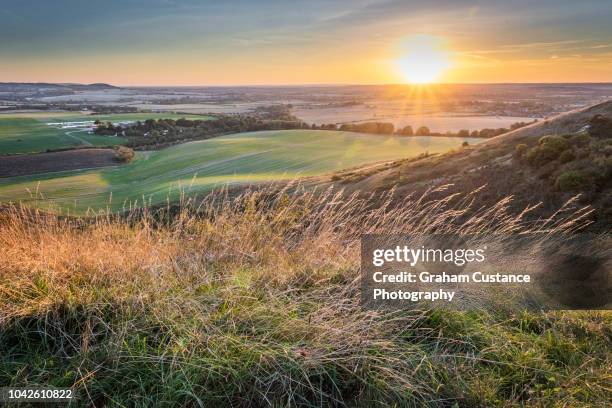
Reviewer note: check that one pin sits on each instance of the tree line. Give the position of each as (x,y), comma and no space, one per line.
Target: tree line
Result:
(386,128)
(153,134)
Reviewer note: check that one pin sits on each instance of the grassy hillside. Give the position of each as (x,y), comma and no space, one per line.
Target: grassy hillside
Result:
(254,300)
(31,132)
(543,164)
(202,165)
(256,303)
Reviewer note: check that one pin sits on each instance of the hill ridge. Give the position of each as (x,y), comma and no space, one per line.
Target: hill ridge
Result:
(495,168)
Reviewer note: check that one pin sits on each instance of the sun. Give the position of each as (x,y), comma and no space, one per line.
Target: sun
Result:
(424,59)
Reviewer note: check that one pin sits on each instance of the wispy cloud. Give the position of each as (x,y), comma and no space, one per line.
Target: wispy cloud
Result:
(544,44)
(331,37)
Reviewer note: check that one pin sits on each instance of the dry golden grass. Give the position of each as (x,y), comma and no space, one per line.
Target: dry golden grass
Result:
(254,301)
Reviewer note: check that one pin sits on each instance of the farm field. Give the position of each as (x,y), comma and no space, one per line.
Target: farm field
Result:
(63,160)
(200,166)
(400,116)
(35,132)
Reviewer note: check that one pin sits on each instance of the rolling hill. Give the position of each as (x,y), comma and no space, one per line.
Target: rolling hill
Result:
(34,132)
(265,295)
(238,159)
(35,87)
(545,163)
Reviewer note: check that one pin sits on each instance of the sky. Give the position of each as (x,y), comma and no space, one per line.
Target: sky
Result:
(189,42)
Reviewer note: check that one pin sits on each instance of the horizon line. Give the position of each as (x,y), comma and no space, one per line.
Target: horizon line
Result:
(307,84)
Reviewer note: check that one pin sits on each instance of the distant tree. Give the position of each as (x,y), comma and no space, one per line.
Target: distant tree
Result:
(123,154)
(381,128)
(463,133)
(423,131)
(405,131)
(385,128)
(500,131)
(518,125)
(182,122)
(149,123)
(486,133)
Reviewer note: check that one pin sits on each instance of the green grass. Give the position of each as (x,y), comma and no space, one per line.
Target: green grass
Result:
(203,165)
(255,303)
(30,132)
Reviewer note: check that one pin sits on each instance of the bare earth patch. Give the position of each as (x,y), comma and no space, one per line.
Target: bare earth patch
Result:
(22,165)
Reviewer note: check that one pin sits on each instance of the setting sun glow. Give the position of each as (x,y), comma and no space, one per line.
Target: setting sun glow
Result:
(424,60)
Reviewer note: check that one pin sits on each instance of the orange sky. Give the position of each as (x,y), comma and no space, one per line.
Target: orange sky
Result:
(185,42)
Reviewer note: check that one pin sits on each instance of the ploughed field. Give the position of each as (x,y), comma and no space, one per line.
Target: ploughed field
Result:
(197,167)
(34,132)
(24,164)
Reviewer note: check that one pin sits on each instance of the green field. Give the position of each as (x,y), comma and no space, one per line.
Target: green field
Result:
(39,131)
(203,165)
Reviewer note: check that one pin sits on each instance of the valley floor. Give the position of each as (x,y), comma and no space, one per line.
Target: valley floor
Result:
(198,167)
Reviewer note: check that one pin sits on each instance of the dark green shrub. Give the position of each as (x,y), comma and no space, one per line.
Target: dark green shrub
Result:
(605,167)
(567,156)
(520,149)
(606,204)
(540,155)
(573,180)
(531,156)
(580,139)
(558,143)
(582,153)
(600,127)
(548,149)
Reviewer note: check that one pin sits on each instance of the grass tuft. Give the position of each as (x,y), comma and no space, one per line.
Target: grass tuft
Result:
(254,301)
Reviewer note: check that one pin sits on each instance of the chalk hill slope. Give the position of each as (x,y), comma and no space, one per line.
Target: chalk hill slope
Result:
(547,162)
